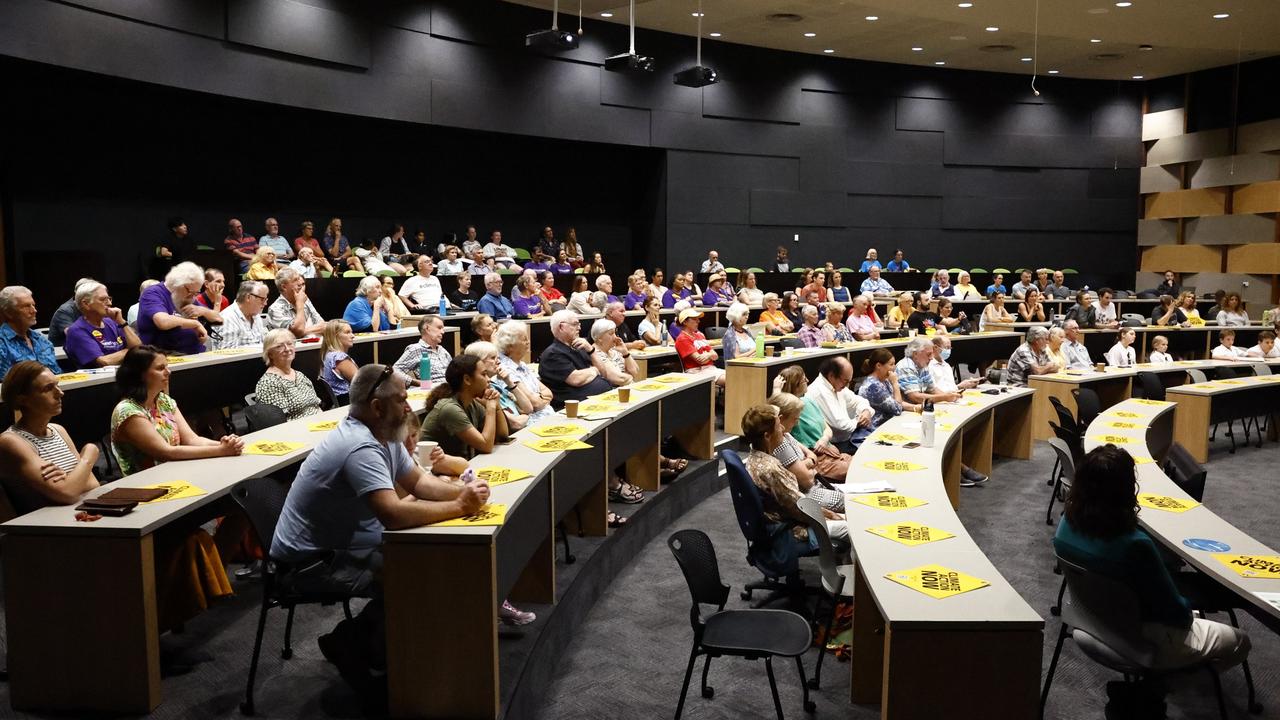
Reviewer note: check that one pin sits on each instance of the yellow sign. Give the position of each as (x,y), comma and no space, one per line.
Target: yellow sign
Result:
(267,447)
(1195,321)
(945,427)
(672,379)
(891,502)
(611,397)
(556,444)
(1158,403)
(910,533)
(1112,439)
(233,351)
(176,360)
(937,581)
(1263,567)
(649,387)
(1126,414)
(496,476)
(1166,503)
(417,394)
(894,465)
(1123,425)
(892,437)
(72,377)
(1231,382)
(323,426)
(490,514)
(596,406)
(751,359)
(559,430)
(175,490)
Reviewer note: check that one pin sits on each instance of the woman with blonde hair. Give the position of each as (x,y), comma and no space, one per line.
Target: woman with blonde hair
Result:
(338,369)
(396,309)
(281,385)
(263,266)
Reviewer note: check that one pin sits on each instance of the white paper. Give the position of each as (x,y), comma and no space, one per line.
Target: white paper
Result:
(866,488)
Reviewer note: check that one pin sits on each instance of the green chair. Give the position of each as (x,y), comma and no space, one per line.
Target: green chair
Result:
(955,271)
(205,247)
(732,270)
(1069,271)
(325,274)
(388,273)
(1022,270)
(844,269)
(931,271)
(352,273)
(799,270)
(1002,271)
(522,254)
(755,269)
(505,271)
(579,271)
(975,271)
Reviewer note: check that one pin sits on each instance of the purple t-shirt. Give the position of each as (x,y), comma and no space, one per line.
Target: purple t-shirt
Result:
(157,299)
(527,306)
(634,301)
(86,343)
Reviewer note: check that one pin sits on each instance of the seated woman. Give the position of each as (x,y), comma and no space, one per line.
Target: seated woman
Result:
(958,323)
(738,340)
(656,288)
(994,312)
(652,330)
(779,489)
(281,385)
(1121,354)
(451,263)
(899,314)
(1057,336)
(1031,309)
(637,291)
(337,368)
(264,265)
(679,292)
(810,333)
(501,382)
(483,327)
(833,327)
(463,412)
(800,460)
(838,292)
(775,321)
(395,307)
(811,428)
(367,311)
(716,293)
(1227,348)
(582,299)
(881,389)
(373,261)
(696,354)
(1159,350)
(616,364)
(965,289)
(1187,304)
(791,307)
(42,466)
(554,299)
(512,341)
(1232,311)
(462,298)
(1099,532)
(748,293)
(1084,312)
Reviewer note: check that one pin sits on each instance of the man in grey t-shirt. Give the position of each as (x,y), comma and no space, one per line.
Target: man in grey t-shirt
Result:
(329,534)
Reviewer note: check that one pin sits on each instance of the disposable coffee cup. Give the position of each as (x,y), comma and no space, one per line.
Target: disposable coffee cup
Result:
(911,332)
(424,451)
(624,394)
(768,351)
(1100,367)
(571,408)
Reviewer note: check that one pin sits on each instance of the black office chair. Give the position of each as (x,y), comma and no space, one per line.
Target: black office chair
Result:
(1064,478)
(1088,406)
(325,393)
(715,332)
(750,634)
(107,468)
(1220,413)
(1152,388)
(790,343)
(1067,421)
(262,500)
(260,416)
(773,551)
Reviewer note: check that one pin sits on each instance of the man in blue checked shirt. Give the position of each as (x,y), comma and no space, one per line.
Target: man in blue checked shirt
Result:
(876,284)
(18,339)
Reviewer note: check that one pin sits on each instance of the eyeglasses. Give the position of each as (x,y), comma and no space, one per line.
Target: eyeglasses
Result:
(386,373)
(263,298)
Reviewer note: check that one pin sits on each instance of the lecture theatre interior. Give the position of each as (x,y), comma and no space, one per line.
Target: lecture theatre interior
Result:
(634,359)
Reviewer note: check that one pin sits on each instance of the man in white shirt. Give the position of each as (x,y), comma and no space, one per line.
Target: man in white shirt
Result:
(501,254)
(712,263)
(944,378)
(1073,349)
(875,284)
(848,413)
(293,309)
(241,324)
(421,293)
(1105,314)
(308,265)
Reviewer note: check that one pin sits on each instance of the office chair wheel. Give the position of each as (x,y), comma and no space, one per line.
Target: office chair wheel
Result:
(708,692)
(570,559)
(810,706)
(246,708)
(286,654)
(1055,611)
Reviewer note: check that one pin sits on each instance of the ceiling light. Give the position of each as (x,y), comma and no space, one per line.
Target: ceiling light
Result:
(965,5)
(939,62)
(1137,77)
(873,18)
(1026,59)
(828,51)
(715,34)
(992,28)
(606,14)
(698,14)
(1094,40)
(811,34)
(917,49)
(1144,48)
(1123,4)
(1053,72)
(1221,16)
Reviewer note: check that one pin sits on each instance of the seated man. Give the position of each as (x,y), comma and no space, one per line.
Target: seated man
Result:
(99,337)
(875,284)
(431,329)
(240,245)
(293,309)
(272,238)
(1024,284)
(568,367)
(1059,288)
(359,480)
(922,362)
(849,415)
(66,314)
(494,303)
(421,293)
(712,264)
(308,264)
(1030,358)
(19,340)
(502,255)
(1073,350)
(941,372)
(241,325)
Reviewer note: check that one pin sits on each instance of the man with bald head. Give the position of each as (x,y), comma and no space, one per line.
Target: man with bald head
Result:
(848,414)
(239,244)
(568,367)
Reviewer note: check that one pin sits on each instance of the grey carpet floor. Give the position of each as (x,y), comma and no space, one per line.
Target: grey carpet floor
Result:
(628,659)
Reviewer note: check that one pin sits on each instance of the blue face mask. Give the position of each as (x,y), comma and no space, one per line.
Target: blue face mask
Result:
(946,354)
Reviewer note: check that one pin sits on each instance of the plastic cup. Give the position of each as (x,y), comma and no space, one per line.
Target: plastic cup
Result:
(571,408)
(424,451)
(1100,367)
(768,351)
(624,394)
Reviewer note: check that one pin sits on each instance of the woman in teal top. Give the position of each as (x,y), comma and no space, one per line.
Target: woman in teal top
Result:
(811,429)
(1099,531)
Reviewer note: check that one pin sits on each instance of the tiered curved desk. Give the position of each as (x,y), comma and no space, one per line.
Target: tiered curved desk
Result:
(1149,439)
(1203,404)
(982,648)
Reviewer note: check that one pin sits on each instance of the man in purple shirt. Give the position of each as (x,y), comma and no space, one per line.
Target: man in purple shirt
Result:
(100,336)
(528,303)
(166,314)
(539,262)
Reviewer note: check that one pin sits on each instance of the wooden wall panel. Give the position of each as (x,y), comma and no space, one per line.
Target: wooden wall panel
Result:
(1164,124)
(1254,258)
(1182,258)
(1257,198)
(1186,203)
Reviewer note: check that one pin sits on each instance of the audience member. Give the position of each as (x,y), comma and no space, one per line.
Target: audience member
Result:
(167,318)
(567,366)
(452,263)
(479,265)
(1073,350)
(833,328)
(860,326)
(1043,283)
(242,322)
(779,490)
(1169,285)
(421,293)
(716,293)
(637,291)
(898,264)
(712,264)
(337,368)
(513,401)
(66,314)
(308,239)
(994,312)
(817,286)
(1057,337)
(99,337)
(781,261)
(373,261)
(942,286)
(1167,313)
(899,315)
(1083,312)
(876,284)
(1187,304)
(547,244)
(947,322)
(293,309)
(499,252)
(539,261)
(1232,313)
(483,327)
(678,293)
(775,321)
(494,303)
(562,266)
(810,428)
(748,293)
(924,320)
(997,285)
(656,288)
(604,291)
(512,341)
(1227,348)
(799,460)
(848,414)
(1106,310)
(871,261)
(176,247)
(652,330)
(470,243)
(394,244)
(1030,358)
(428,347)
(240,245)
(810,333)
(1159,350)
(880,387)
(1121,354)
(738,339)
(281,385)
(367,311)
(212,296)
(1060,290)
(1024,284)
(941,372)
(529,302)
(914,377)
(463,297)
(572,250)
(964,289)
(696,354)
(1031,309)
(391,302)
(616,313)
(791,306)
(264,264)
(552,298)
(612,356)
(308,265)
(272,238)
(132,314)
(596,266)
(1266,347)
(337,249)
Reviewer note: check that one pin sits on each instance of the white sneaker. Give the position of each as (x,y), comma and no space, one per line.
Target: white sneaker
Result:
(512,615)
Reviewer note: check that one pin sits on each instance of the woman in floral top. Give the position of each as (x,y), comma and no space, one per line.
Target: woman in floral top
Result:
(881,387)
(281,385)
(147,428)
(834,328)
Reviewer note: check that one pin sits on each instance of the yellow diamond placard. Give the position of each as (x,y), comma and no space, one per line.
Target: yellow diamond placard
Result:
(418,394)
(1142,460)
(1113,439)
(322,426)
(176,360)
(895,466)
(1166,503)
(892,437)
(175,490)
(672,379)
(233,351)
(496,476)
(556,444)
(1123,425)
(490,514)
(937,581)
(72,377)
(609,397)
(1127,414)
(270,447)
(1157,403)
(649,387)
(910,533)
(559,430)
(597,406)
(892,502)
(1231,382)
(1264,567)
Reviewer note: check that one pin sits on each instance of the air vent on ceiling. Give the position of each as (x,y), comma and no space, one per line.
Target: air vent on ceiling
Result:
(784,17)
(1107,57)
(997,48)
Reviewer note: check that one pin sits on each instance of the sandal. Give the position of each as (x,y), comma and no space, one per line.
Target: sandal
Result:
(676,464)
(614,519)
(626,493)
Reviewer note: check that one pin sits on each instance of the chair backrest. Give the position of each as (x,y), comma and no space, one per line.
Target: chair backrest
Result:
(1070,439)
(1197,376)
(1185,472)
(1088,405)
(791,343)
(262,499)
(108,466)
(997,376)
(1065,418)
(1066,457)
(747,505)
(251,399)
(828,563)
(714,332)
(325,393)
(352,273)
(697,559)
(262,416)
(1152,388)
(1133,320)
(1106,609)
(1261,368)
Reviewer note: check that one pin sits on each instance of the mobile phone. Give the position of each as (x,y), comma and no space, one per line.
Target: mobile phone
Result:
(911,445)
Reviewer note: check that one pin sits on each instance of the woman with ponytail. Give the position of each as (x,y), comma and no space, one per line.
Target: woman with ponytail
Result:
(463,413)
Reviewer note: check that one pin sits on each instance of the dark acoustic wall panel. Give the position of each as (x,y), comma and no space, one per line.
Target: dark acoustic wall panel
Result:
(1047,213)
(1013,182)
(898,146)
(891,211)
(1117,184)
(709,205)
(198,17)
(747,100)
(868,178)
(1041,151)
(736,171)
(298,28)
(1007,118)
(790,209)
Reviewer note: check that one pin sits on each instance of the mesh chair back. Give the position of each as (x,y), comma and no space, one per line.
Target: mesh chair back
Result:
(262,500)
(1197,376)
(1070,439)
(263,415)
(325,393)
(1088,405)
(1065,418)
(108,466)
(791,343)
(1133,320)
(1183,469)
(1261,368)
(1152,388)
(827,561)
(1066,458)
(746,499)
(697,559)
(997,376)
(715,332)
(1108,611)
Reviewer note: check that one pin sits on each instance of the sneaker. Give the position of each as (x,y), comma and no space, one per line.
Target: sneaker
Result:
(512,615)
(970,477)
(250,570)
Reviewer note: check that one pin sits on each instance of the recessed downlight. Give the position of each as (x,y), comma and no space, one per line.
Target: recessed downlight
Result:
(828,51)
(872,18)
(965,5)
(698,14)
(992,28)
(939,62)
(1221,16)
(1137,77)
(917,49)
(606,14)
(1026,59)
(811,34)
(1053,72)
(1095,40)
(715,35)
(1123,4)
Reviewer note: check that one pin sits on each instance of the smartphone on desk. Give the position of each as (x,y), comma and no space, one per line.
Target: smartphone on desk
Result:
(911,446)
